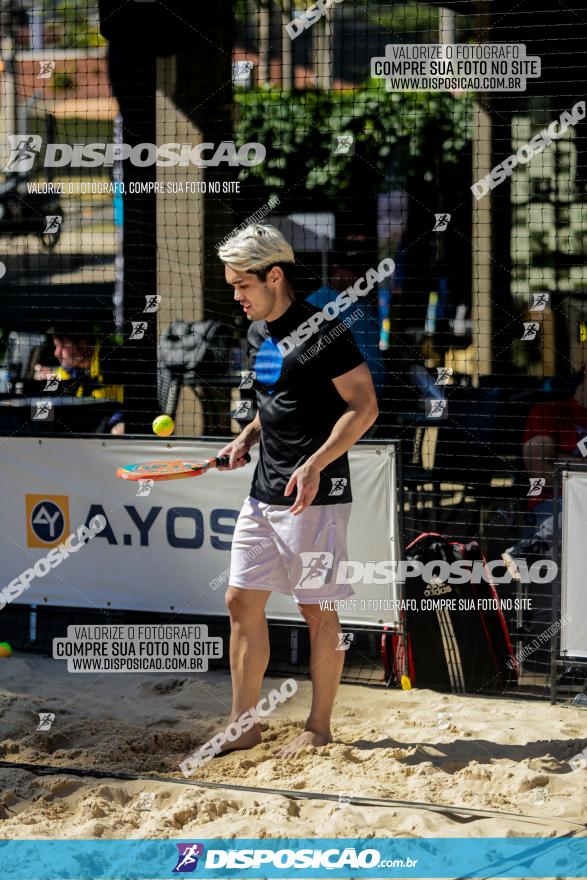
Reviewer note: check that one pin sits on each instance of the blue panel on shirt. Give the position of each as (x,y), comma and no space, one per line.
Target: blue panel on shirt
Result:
(268,363)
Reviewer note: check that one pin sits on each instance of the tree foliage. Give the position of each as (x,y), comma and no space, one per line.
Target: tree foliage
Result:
(396,136)
(76,24)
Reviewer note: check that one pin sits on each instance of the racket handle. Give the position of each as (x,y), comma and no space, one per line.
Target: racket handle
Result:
(223,461)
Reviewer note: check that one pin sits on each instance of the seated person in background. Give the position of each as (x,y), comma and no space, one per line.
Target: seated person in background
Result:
(80,373)
(555,430)
(347,268)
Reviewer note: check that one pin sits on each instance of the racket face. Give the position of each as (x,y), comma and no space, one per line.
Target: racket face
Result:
(162,470)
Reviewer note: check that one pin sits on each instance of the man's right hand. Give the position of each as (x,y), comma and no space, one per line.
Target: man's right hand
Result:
(238,448)
(236,451)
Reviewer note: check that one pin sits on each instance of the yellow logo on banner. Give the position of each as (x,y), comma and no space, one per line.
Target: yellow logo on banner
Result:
(47,520)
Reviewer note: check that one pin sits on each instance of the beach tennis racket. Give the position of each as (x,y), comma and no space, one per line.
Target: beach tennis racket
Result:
(171,470)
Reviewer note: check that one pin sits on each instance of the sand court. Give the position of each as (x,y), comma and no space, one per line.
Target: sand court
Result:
(517,757)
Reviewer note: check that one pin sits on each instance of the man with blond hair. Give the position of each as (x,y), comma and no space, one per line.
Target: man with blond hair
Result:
(315,399)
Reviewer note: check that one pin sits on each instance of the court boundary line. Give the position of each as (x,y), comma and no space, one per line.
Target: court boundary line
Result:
(53,770)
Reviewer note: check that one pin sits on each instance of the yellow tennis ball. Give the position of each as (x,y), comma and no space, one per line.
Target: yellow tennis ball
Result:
(5,649)
(163,426)
(406,683)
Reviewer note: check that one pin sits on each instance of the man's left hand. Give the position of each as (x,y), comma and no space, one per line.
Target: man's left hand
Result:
(306,480)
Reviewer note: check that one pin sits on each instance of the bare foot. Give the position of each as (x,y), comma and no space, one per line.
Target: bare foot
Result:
(305,740)
(247,740)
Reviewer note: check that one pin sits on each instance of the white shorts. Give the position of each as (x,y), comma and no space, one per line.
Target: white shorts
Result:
(295,555)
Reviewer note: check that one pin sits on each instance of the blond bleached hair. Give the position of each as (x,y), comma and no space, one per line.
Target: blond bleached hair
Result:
(255,248)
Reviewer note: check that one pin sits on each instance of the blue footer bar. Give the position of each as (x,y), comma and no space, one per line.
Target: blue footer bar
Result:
(287,858)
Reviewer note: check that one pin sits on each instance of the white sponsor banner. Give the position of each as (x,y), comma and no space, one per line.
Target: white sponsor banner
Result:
(574,564)
(165,546)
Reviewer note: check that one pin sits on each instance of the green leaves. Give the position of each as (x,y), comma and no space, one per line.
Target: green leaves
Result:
(416,130)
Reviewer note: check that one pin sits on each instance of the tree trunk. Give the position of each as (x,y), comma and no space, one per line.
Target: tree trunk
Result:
(287,67)
(324,30)
(264,18)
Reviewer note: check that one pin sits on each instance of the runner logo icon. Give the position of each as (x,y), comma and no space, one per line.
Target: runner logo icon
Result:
(188,855)
(317,570)
(338,485)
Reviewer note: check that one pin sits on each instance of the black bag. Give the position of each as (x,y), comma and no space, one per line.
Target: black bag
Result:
(191,353)
(196,350)
(463,651)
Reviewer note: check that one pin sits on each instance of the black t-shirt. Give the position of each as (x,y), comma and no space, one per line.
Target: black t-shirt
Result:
(298,403)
